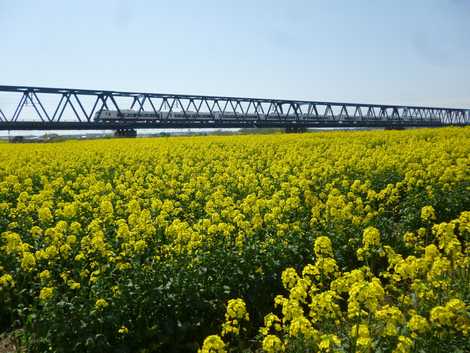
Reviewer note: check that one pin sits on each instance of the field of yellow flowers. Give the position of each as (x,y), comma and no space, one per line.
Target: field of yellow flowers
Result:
(317,242)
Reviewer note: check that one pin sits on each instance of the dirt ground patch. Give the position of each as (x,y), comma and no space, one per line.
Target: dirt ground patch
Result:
(7,344)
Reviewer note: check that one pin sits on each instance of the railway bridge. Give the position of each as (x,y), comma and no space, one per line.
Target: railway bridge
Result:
(45,108)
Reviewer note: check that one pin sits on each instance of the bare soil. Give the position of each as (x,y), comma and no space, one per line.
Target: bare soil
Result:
(7,344)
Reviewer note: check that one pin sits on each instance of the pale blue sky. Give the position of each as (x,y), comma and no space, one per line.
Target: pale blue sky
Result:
(401,52)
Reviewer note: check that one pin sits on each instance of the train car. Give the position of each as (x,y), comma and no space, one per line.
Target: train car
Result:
(146,116)
(127,114)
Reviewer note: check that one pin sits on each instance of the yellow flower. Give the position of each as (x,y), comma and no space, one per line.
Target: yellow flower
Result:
(71,240)
(106,208)
(45,275)
(101,304)
(272,344)
(364,297)
(453,315)
(327,266)
(6,280)
(329,343)
(123,330)
(324,306)
(79,257)
(13,242)
(28,262)
(428,213)
(431,252)
(370,237)
(302,327)
(45,215)
(271,321)
(418,324)
(69,211)
(51,251)
(73,285)
(392,318)
(140,246)
(322,247)
(65,250)
(361,333)
(289,278)
(46,293)
(404,345)
(410,239)
(236,311)
(213,344)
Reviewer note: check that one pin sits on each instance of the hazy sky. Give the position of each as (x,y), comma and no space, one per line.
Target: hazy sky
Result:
(371,51)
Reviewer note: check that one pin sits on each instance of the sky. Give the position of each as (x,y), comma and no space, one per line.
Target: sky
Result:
(414,52)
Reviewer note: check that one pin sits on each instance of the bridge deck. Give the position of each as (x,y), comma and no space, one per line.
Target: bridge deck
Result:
(194,124)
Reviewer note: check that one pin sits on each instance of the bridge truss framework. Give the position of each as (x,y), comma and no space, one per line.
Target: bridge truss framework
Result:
(76,109)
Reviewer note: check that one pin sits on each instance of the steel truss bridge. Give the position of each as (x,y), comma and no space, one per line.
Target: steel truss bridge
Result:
(41,108)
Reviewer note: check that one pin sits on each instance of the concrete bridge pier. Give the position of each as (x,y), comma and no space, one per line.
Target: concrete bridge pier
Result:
(295,130)
(125,133)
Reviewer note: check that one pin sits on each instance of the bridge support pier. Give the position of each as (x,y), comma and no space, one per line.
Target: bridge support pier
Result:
(394,128)
(125,133)
(295,130)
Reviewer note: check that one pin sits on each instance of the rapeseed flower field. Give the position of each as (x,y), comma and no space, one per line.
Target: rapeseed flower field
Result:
(316,242)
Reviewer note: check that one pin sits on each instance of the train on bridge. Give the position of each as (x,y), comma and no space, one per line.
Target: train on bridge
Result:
(129,115)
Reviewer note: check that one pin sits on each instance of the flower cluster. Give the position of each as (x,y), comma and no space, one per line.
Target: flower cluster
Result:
(235,314)
(143,242)
(362,311)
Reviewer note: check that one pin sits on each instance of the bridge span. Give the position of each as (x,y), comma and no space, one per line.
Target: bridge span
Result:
(43,108)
